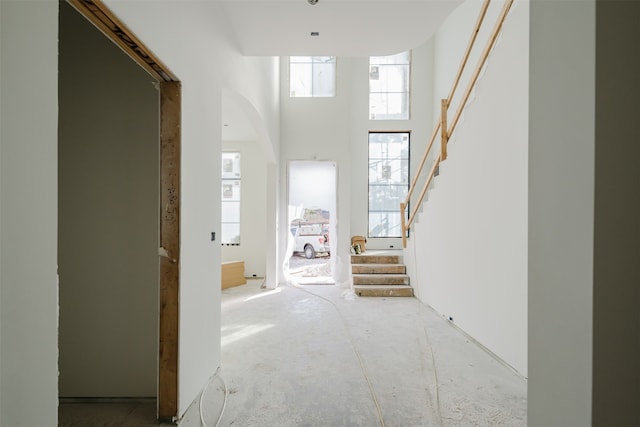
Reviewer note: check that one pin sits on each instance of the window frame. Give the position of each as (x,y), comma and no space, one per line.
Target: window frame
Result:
(406,185)
(237,178)
(387,116)
(312,61)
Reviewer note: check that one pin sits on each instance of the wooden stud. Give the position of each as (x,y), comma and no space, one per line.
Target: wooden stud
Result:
(170,147)
(467,53)
(441,125)
(444,137)
(414,182)
(483,58)
(170,117)
(100,15)
(403,208)
(416,207)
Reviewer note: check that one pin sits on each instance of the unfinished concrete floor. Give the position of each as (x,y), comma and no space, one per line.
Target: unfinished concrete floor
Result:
(311,357)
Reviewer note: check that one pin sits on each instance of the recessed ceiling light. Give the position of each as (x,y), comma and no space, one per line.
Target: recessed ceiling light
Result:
(315,33)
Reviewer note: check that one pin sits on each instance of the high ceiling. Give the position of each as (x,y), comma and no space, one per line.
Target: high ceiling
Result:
(345,27)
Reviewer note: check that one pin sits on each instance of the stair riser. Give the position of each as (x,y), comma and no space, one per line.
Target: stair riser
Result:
(378,269)
(384,292)
(382,280)
(375,259)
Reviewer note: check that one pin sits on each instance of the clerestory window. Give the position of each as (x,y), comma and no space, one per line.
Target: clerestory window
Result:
(312,76)
(389,87)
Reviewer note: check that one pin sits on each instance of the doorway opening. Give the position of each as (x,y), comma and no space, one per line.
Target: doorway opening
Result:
(119,163)
(311,223)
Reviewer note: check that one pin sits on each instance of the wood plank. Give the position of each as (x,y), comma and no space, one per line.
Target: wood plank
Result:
(467,53)
(416,208)
(233,274)
(170,147)
(170,118)
(483,58)
(444,138)
(403,223)
(107,22)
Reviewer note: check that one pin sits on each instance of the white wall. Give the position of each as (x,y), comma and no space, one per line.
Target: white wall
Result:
(561,200)
(337,129)
(319,129)
(468,252)
(199,50)
(108,204)
(420,124)
(28,213)
(253,205)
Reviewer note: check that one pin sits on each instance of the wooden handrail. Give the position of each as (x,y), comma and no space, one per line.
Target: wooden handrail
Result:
(432,173)
(463,63)
(467,53)
(441,126)
(483,59)
(414,183)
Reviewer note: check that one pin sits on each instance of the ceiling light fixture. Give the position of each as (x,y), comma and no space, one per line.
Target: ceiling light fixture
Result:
(312,2)
(315,33)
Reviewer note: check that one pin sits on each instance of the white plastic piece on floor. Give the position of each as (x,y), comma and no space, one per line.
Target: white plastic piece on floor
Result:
(349,295)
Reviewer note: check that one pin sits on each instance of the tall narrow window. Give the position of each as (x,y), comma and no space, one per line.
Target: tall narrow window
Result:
(389,86)
(388,181)
(312,76)
(230,233)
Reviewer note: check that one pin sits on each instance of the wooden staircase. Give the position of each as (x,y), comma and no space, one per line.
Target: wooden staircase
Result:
(379,275)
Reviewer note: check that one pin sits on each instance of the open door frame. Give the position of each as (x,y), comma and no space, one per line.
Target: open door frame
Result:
(170,147)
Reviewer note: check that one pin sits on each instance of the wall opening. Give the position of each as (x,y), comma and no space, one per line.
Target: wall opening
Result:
(311,223)
(119,157)
(108,219)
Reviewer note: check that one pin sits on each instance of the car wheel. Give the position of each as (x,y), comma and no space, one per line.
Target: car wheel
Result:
(309,252)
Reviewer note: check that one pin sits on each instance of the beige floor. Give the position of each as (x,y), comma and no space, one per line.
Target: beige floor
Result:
(316,356)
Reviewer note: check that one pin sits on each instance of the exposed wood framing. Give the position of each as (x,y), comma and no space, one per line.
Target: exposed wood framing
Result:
(170,147)
(467,53)
(423,193)
(100,15)
(403,222)
(483,58)
(441,125)
(414,182)
(444,137)
(170,247)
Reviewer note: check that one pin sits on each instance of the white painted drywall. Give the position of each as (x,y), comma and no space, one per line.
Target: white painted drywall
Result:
(108,204)
(420,125)
(28,212)
(561,199)
(337,129)
(253,205)
(468,254)
(193,40)
(319,129)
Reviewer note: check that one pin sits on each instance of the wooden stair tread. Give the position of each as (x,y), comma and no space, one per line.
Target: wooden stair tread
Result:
(375,259)
(378,268)
(383,291)
(380,279)
(380,275)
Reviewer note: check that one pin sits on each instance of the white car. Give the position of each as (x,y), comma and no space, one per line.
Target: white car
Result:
(310,239)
